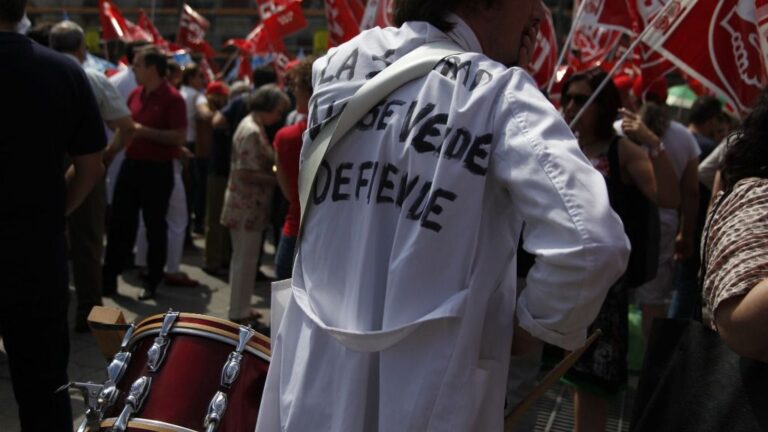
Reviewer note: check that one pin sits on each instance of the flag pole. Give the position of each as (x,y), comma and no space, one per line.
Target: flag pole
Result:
(152,19)
(621,61)
(567,44)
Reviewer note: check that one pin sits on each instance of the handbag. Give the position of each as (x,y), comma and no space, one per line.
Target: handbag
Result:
(692,381)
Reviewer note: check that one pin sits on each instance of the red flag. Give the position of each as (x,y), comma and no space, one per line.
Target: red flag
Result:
(150,28)
(592,46)
(135,32)
(728,56)
(258,41)
(652,65)
(284,19)
(377,13)
(342,24)
(544,57)
(610,14)
(112,21)
(191,33)
(358,8)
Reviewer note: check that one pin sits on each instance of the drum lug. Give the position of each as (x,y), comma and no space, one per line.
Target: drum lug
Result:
(134,400)
(93,413)
(157,351)
(231,368)
(120,361)
(216,410)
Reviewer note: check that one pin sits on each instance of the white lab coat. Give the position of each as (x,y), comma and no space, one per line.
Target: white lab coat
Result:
(404,291)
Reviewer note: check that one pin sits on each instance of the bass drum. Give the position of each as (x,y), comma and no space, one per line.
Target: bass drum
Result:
(178,392)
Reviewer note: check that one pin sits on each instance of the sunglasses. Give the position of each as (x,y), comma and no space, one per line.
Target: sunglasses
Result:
(577,99)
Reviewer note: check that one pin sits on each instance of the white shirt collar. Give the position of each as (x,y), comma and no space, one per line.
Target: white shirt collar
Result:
(463,35)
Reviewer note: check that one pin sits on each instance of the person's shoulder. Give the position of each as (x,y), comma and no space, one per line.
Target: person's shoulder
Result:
(290,132)
(750,188)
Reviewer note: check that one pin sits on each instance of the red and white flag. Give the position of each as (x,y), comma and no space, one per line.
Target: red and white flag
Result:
(145,24)
(378,13)
(544,57)
(191,32)
(653,66)
(609,14)
(285,19)
(113,24)
(593,46)
(728,57)
(343,25)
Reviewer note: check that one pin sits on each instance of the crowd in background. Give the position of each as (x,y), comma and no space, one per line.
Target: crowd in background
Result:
(187,156)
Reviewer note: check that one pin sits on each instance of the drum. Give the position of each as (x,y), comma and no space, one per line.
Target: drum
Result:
(187,372)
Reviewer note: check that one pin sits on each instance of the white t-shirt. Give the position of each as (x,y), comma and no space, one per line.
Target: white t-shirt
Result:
(404,291)
(192,98)
(111,105)
(124,81)
(681,148)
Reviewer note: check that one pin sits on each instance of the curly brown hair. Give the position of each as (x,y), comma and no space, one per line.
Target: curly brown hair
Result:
(301,74)
(746,154)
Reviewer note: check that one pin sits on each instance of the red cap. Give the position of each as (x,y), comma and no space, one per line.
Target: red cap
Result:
(217,87)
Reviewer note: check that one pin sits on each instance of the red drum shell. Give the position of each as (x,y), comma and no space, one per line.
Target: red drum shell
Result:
(190,375)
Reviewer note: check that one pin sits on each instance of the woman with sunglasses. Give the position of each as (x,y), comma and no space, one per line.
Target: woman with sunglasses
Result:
(630,171)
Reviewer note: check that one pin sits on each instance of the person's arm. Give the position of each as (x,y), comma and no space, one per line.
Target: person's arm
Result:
(578,241)
(85,171)
(667,192)
(205,113)
(282,179)
(172,137)
(639,168)
(743,320)
(124,130)
(689,209)
(219,121)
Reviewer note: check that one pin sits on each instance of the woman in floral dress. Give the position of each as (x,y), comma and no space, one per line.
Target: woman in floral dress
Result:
(249,194)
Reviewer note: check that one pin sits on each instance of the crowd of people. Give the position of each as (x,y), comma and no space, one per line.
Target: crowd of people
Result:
(416,270)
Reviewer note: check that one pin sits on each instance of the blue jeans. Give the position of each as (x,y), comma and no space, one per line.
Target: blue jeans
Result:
(284,257)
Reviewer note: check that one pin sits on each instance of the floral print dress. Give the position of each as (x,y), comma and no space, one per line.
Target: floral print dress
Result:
(247,205)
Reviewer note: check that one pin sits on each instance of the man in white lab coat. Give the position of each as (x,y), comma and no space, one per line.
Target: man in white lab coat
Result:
(404,304)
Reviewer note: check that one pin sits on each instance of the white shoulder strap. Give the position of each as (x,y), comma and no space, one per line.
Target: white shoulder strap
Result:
(411,66)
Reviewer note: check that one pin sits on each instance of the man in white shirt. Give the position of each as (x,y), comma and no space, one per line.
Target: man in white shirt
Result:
(86,224)
(404,301)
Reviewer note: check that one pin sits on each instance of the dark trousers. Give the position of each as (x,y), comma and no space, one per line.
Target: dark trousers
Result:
(145,186)
(284,257)
(218,245)
(85,227)
(33,325)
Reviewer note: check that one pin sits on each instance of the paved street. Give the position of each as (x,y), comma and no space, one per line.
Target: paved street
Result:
(86,363)
(552,413)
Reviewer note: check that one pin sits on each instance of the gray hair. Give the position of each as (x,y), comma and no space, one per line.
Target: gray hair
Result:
(266,98)
(66,37)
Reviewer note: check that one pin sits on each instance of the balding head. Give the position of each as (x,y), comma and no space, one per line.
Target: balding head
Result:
(68,37)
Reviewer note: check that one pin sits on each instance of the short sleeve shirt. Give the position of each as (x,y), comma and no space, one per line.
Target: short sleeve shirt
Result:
(192,98)
(735,250)
(53,113)
(112,106)
(287,145)
(162,109)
